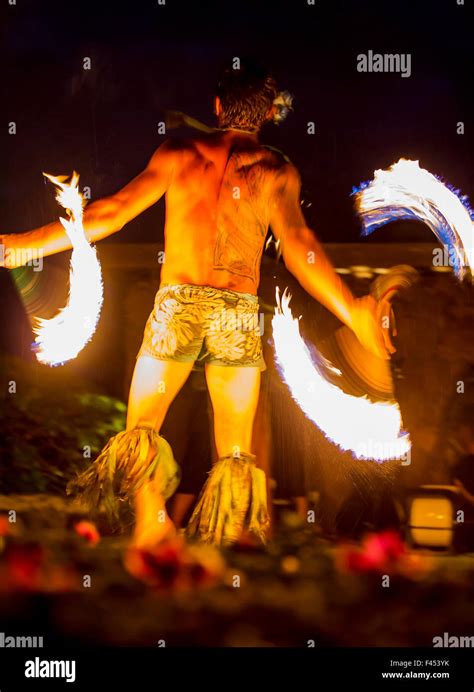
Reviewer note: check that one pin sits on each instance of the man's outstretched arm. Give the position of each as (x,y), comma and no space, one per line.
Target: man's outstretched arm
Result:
(305,258)
(104,216)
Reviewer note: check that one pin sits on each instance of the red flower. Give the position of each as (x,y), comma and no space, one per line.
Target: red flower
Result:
(87,530)
(175,565)
(5,526)
(377,553)
(28,567)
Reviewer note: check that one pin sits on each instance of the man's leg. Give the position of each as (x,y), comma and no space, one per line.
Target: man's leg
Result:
(234,394)
(155,384)
(262,442)
(234,497)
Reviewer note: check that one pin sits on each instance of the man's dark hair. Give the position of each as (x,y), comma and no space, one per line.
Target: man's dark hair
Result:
(246,91)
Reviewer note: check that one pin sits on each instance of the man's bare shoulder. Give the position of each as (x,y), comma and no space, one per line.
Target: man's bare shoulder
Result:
(177,144)
(186,149)
(286,179)
(174,153)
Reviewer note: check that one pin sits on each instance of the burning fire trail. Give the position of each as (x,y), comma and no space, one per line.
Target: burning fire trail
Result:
(373,430)
(369,430)
(61,338)
(406,191)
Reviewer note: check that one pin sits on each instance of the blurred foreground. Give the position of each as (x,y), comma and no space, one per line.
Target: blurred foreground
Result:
(60,579)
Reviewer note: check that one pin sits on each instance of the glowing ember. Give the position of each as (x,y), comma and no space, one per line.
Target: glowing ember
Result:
(406,191)
(369,430)
(61,338)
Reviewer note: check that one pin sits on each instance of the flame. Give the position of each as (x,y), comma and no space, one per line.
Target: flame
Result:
(406,191)
(273,241)
(369,430)
(373,430)
(61,338)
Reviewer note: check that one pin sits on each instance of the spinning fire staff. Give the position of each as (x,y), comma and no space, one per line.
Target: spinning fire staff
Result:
(223,191)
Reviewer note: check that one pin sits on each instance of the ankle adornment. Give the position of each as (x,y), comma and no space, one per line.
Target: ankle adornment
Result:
(123,467)
(233,499)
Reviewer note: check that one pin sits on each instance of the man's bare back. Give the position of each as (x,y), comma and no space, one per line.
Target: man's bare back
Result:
(217,210)
(222,191)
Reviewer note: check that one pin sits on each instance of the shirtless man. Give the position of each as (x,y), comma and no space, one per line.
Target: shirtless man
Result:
(223,191)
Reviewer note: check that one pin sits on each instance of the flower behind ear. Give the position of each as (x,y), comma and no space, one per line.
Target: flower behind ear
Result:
(283,105)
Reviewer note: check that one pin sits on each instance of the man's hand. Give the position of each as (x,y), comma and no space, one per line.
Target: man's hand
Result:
(371,324)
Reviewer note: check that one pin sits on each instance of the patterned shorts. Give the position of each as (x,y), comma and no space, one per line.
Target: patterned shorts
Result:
(214,325)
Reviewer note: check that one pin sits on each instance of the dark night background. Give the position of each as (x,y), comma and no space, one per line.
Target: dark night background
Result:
(148,57)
